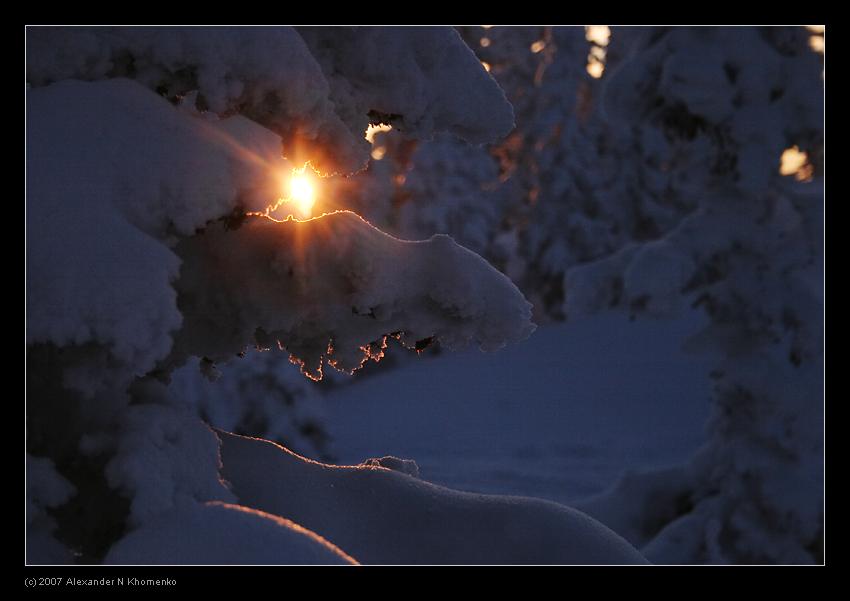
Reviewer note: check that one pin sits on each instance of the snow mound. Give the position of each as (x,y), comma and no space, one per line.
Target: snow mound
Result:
(384,517)
(220,533)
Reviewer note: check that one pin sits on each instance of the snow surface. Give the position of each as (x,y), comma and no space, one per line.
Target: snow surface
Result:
(220,533)
(560,416)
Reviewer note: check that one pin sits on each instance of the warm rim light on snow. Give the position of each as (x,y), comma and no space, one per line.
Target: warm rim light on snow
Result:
(795,162)
(817,38)
(373,129)
(595,69)
(598,36)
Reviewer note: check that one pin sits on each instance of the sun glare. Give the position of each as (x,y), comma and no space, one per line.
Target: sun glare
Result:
(302,192)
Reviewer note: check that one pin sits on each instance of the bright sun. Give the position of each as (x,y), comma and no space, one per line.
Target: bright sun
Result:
(302,192)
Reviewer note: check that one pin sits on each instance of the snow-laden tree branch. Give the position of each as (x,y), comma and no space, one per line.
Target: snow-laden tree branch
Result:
(318,95)
(144,248)
(333,288)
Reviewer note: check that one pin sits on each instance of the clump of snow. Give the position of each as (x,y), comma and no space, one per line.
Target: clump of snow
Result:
(450,188)
(317,94)
(114,174)
(217,533)
(166,459)
(331,289)
(405,466)
(259,394)
(656,277)
(46,488)
(421,79)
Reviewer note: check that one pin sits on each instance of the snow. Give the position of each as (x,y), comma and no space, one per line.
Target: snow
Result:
(652,188)
(260,394)
(317,94)
(560,416)
(166,459)
(220,533)
(46,488)
(113,174)
(425,76)
(405,466)
(135,247)
(332,289)
(732,99)
(140,172)
(382,516)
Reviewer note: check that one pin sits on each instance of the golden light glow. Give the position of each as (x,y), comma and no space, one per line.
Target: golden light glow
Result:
(298,194)
(816,39)
(485,42)
(796,162)
(598,34)
(792,160)
(595,69)
(374,129)
(378,152)
(303,193)
(538,46)
(486,66)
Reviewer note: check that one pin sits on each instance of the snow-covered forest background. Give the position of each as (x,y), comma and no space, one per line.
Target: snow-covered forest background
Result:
(551,294)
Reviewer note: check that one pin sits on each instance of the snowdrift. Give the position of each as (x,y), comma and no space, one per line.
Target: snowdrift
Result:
(382,516)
